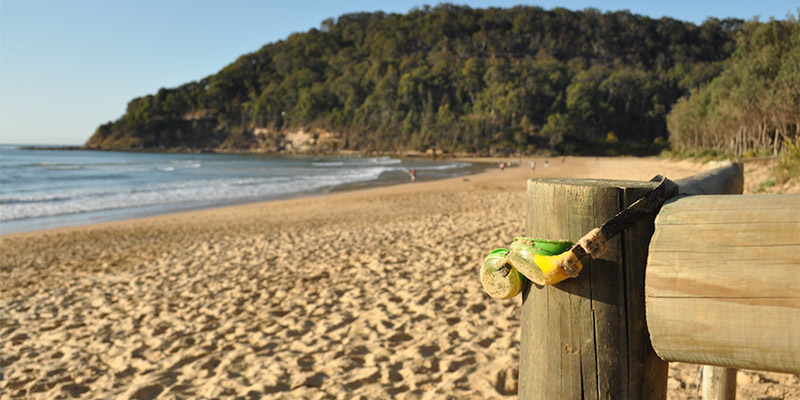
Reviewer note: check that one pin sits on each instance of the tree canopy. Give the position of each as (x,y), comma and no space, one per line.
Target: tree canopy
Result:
(753,106)
(449,77)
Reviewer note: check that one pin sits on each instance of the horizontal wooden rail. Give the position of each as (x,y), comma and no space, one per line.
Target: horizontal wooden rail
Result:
(722,283)
(723,178)
(727,178)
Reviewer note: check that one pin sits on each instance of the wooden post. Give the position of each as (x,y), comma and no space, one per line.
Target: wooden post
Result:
(586,337)
(719,383)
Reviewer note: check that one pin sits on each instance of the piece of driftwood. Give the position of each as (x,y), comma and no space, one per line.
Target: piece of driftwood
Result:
(585,337)
(723,282)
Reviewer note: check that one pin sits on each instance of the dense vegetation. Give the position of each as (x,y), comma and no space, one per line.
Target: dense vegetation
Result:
(753,106)
(449,78)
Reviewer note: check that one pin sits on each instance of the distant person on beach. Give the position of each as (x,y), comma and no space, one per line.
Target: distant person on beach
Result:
(532,164)
(546,163)
(413,174)
(502,165)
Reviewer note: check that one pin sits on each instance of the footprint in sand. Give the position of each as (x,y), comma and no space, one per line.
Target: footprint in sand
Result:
(427,351)
(75,390)
(363,376)
(506,382)
(477,308)
(306,362)
(148,392)
(400,337)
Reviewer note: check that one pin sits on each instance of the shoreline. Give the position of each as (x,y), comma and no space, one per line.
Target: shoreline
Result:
(44,223)
(260,151)
(370,293)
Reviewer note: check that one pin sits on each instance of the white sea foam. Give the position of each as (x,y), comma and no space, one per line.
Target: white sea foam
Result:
(65,188)
(443,167)
(189,192)
(384,160)
(186,163)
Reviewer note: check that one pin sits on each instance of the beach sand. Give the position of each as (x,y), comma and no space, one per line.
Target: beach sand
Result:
(367,294)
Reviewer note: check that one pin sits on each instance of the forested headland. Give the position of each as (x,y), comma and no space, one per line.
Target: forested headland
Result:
(456,79)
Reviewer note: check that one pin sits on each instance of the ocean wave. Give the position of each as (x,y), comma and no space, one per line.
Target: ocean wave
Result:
(65,167)
(50,185)
(358,162)
(444,167)
(384,160)
(33,199)
(46,165)
(205,191)
(113,176)
(327,163)
(187,163)
(50,166)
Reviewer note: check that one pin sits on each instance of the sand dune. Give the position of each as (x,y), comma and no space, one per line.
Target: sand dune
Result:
(368,294)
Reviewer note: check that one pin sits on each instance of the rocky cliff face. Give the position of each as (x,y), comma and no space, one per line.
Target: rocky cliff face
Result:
(206,136)
(299,141)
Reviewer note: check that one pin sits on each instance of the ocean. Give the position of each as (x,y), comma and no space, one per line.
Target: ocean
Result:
(42,189)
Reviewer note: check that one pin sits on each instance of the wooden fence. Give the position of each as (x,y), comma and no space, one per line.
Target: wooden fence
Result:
(588,337)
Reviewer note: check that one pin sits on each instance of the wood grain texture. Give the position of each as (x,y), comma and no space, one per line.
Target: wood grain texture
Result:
(642,357)
(723,282)
(726,178)
(585,337)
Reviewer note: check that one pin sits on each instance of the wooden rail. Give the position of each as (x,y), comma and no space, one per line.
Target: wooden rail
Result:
(719,383)
(586,337)
(727,178)
(723,282)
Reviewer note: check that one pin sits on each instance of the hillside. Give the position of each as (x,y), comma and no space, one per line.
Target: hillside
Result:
(449,78)
(753,106)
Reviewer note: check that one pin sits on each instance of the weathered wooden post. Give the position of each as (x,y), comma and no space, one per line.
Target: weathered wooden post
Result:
(586,337)
(719,383)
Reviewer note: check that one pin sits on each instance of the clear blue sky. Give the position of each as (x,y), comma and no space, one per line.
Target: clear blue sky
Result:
(67,66)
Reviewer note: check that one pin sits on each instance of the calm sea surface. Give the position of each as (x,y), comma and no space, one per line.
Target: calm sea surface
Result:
(50,188)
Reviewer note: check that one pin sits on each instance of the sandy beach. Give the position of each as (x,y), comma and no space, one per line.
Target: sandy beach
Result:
(356,295)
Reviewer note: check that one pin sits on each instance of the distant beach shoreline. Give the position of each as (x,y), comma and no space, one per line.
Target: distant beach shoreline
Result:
(101,209)
(433,155)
